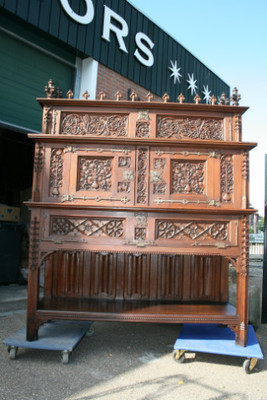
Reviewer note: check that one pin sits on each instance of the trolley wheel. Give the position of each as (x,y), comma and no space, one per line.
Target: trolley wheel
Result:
(179,356)
(65,356)
(12,352)
(249,365)
(90,331)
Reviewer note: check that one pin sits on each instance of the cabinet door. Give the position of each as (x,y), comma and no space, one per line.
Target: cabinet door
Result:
(99,175)
(180,177)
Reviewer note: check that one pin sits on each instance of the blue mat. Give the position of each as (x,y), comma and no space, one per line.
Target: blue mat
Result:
(57,335)
(211,338)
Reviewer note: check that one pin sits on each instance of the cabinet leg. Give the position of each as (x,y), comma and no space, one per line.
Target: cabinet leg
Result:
(242,335)
(32,329)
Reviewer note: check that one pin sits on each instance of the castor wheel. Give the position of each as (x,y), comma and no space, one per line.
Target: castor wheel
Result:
(65,357)
(12,352)
(249,365)
(90,331)
(179,356)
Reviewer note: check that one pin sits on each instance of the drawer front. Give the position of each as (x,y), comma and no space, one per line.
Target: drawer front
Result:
(138,232)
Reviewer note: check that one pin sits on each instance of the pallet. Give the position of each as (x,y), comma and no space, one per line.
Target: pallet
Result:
(216,339)
(62,336)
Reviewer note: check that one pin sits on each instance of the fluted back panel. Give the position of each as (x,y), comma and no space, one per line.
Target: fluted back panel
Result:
(136,276)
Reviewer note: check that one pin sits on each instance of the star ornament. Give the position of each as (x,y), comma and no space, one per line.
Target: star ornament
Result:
(192,84)
(175,72)
(206,93)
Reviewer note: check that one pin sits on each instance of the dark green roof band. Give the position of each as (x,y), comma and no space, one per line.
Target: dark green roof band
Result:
(137,38)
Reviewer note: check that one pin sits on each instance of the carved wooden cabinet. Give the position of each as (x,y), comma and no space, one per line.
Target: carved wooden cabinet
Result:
(137,209)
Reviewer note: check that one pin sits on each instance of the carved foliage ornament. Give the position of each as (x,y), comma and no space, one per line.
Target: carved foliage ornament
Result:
(191,230)
(187,177)
(94,125)
(142,164)
(183,128)
(227,179)
(95,173)
(56,172)
(106,227)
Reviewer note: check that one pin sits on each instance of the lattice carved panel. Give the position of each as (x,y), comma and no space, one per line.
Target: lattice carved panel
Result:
(191,230)
(99,227)
(94,125)
(186,128)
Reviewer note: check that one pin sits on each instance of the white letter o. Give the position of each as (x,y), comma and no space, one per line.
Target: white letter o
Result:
(82,19)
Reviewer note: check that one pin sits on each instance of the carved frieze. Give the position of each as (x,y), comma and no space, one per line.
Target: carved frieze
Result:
(94,173)
(56,172)
(186,128)
(181,230)
(227,178)
(187,177)
(100,227)
(94,125)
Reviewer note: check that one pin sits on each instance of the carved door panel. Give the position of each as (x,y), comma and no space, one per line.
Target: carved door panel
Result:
(51,172)
(179,177)
(100,175)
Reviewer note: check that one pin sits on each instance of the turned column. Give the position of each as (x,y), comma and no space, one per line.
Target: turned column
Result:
(242,283)
(33,280)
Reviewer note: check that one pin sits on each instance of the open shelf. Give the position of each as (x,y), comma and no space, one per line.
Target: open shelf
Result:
(135,311)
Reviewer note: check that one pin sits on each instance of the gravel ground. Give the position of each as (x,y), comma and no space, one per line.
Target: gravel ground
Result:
(125,361)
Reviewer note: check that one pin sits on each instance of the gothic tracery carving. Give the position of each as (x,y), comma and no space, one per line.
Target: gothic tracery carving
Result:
(72,226)
(191,230)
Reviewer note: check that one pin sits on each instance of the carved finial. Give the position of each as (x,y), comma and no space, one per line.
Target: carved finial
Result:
(213,100)
(118,95)
(197,98)
(149,96)
(49,89)
(86,95)
(70,94)
(235,97)
(223,100)
(101,95)
(58,93)
(133,95)
(165,97)
(181,98)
